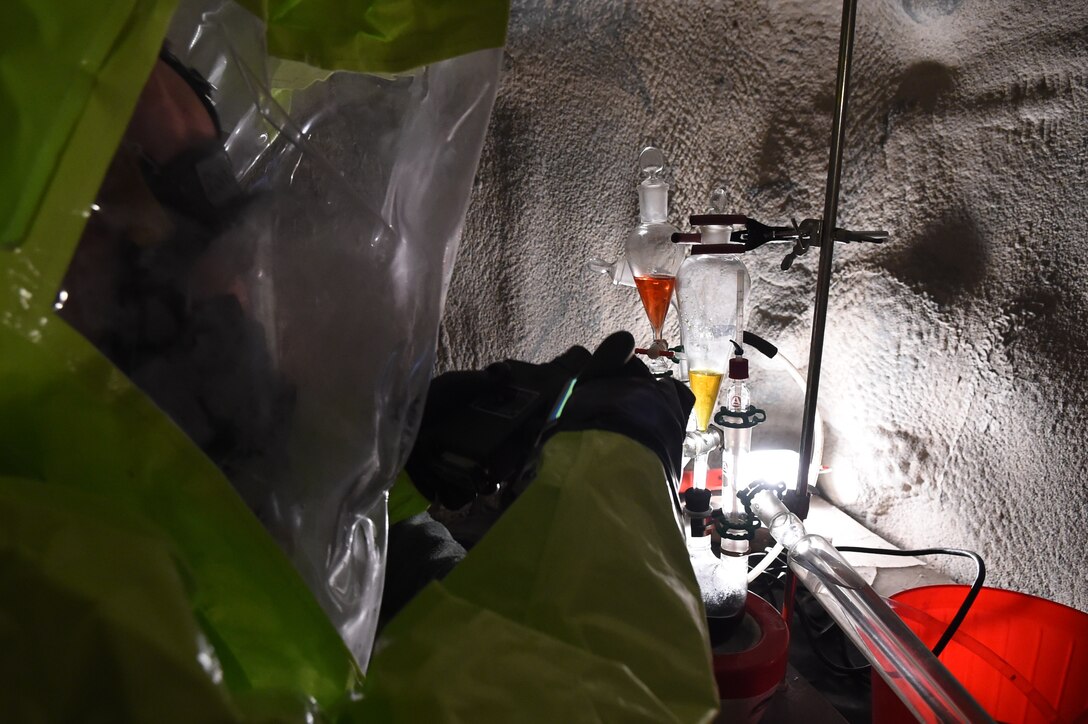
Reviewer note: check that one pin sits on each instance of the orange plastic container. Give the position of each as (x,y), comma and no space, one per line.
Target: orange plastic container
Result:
(1024,659)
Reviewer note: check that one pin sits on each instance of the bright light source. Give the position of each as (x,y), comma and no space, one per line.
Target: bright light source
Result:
(772,466)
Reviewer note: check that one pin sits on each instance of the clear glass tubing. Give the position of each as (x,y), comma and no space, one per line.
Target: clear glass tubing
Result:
(910,669)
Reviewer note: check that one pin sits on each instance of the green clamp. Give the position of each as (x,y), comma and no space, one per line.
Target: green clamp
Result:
(735,526)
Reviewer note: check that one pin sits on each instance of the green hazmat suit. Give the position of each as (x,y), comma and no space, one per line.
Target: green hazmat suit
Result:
(136,585)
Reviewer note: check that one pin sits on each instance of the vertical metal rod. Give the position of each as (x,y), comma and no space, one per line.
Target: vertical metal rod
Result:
(827,252)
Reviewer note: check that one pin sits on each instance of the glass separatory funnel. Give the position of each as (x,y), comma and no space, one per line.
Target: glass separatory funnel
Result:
(711,293)
(653,257)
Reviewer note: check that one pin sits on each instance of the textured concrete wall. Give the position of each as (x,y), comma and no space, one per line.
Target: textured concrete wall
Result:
(956,376)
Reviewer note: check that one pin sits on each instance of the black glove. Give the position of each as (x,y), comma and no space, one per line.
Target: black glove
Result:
(480,428)
(616,392)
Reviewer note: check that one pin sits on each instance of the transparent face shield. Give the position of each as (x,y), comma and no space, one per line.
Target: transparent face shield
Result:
(267,259)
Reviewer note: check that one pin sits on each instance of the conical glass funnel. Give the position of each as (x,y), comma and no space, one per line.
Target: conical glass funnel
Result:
(711,294)
(653,257)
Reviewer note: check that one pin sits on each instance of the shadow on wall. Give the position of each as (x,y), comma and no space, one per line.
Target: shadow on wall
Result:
(789,144)
(947,259)
(922,88)
(786,151)
(922,85)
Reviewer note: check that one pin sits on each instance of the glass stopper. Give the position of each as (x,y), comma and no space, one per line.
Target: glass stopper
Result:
(651,161)
(718,201)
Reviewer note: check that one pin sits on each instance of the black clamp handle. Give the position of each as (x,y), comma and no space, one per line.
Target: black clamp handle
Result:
(754,234)
(745,496)
(740,420)
(751,339)
(743,526)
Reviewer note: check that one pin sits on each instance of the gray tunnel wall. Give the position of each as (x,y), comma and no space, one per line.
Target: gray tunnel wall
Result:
(955,371)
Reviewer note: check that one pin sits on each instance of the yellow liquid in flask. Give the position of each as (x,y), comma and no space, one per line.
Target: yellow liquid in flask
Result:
(705,386)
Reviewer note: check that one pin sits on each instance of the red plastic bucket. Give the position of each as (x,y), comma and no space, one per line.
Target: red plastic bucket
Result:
(748,677)
(1024,659)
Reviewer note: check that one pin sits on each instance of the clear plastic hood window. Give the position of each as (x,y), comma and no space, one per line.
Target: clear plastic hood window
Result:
(270,269)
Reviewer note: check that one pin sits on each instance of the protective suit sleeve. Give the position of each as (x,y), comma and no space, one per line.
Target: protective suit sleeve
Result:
(379,36)
(98,611)
(101,624)
(578,605)
(405,500)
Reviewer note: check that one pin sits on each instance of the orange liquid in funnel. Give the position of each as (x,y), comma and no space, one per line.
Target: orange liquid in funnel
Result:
(705,386)
(656,291)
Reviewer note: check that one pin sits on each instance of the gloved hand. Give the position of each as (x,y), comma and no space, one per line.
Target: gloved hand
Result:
(480,427)
(616,392)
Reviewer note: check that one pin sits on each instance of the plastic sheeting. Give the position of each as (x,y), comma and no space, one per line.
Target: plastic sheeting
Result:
(326,283)
(325,288)
(579,605)
(105,631)
(77,66)
(290,331)
(78,435)
(388,36)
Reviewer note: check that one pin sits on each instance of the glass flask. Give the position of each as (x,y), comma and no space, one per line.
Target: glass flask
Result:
(711,294)
(653,257)
(723,581)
